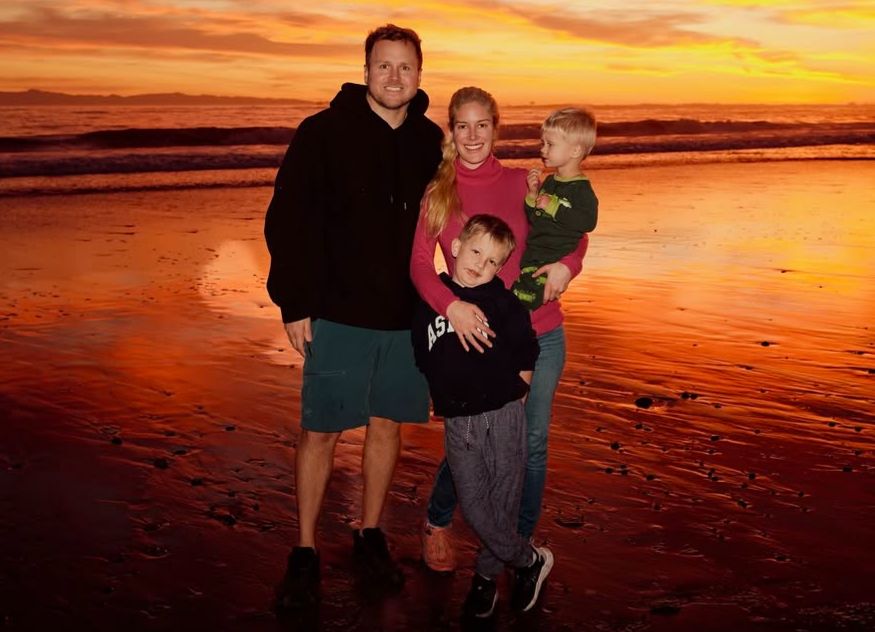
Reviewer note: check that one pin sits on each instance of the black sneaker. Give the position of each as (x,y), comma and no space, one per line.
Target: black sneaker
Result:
(372,555)
(300,585)
(530,579)
(481,599)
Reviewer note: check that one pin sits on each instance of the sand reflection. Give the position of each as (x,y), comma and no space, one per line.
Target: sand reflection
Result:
(711,461)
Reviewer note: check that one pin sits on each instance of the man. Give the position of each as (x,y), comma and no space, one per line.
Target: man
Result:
(339,230)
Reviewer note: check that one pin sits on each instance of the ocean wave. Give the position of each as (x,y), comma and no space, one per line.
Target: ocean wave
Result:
(140,150)
(132,138)
(235,177)
(149,137)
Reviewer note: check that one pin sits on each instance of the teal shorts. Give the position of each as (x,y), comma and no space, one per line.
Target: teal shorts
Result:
(352,374)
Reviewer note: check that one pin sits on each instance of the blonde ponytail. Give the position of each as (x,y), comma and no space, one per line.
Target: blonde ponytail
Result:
(441,195)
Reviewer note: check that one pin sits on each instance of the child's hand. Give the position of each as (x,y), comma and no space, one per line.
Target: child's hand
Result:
(534,181)
(543,201)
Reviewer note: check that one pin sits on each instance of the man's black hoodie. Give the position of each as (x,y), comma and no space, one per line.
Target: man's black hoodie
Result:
(340,225)
(466,383)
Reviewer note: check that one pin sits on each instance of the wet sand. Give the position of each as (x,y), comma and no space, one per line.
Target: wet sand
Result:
(711,458)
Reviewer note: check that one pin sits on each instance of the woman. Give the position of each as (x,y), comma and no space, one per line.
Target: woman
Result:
(470,180)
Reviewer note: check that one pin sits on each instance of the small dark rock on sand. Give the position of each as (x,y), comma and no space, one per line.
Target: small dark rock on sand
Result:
(644,402)
(570,522)
(665,610)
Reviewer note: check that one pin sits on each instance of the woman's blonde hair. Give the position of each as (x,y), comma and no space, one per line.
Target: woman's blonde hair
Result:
(442,199)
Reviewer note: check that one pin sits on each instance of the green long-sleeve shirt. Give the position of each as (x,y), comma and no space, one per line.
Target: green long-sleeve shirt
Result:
(555,231)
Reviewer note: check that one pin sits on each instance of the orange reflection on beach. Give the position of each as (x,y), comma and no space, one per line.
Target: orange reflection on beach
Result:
(712,428)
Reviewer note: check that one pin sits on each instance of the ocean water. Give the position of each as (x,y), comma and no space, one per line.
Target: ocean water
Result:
(68,149)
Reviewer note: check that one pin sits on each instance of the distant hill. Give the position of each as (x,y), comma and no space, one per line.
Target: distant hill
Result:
(42,97)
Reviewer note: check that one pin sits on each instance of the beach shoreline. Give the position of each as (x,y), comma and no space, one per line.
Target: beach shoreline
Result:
(711,458)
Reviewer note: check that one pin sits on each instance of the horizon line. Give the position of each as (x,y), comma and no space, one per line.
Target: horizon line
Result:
(182,96)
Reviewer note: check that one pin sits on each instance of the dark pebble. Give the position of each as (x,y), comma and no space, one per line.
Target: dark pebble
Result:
(688,395)
(718,405)
(179,451)
(639,426)
(609,470)
(156,550)
(665,610)
(751,475)
(871,371)
(615,445)
(116,441)
(197,482)
(742,503)
(161,463)
(569,522)
(230,428)
(650,477)
(644,402)
(765,343)
(847,468)
(858,428)
(831,424)
(715,437)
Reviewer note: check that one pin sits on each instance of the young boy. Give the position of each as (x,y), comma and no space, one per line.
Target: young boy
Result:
(565,207)
(480,395)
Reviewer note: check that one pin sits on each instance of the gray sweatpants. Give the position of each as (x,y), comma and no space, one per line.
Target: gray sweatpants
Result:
(487,457)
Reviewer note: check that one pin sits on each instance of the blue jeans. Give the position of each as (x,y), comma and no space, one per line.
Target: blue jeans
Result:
(539,405)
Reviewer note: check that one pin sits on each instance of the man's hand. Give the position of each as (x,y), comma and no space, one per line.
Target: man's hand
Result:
(558,278)
(470,325)
(300,335)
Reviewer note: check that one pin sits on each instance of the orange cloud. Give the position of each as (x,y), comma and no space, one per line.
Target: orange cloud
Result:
(722,50)
(51,27)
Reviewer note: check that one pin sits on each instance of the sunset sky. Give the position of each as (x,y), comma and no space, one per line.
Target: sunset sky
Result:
(598,51)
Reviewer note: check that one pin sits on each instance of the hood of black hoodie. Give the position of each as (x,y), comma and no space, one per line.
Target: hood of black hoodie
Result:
(353,96)
(492,291)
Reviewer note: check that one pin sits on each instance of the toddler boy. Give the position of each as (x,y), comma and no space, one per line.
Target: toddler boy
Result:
(562,209)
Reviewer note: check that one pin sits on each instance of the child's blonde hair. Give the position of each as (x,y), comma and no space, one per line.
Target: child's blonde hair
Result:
(442,199)
(495,227)
(577,123)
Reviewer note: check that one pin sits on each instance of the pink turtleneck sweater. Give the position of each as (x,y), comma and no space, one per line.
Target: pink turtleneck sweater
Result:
(494,190)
